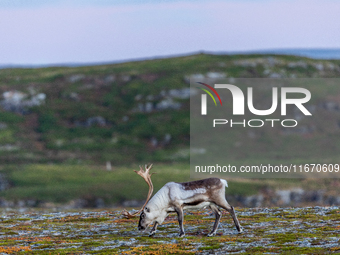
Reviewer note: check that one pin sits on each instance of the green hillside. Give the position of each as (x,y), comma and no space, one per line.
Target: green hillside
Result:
(123,113)
(60,125)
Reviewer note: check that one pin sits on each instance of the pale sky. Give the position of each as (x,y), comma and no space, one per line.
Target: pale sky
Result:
(90,31)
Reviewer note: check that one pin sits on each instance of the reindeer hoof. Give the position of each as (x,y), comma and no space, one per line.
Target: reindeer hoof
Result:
(152,234)
(211,234)
(181,235)
(240,231)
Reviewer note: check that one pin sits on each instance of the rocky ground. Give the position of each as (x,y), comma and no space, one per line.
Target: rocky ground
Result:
(309,230)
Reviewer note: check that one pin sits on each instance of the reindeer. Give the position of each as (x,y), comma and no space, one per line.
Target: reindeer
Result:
(175,197)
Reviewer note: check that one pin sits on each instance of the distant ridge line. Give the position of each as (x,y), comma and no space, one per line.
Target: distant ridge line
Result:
(322,54)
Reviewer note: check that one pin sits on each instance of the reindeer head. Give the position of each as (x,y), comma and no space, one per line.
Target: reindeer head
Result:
(145,219)
(149,215)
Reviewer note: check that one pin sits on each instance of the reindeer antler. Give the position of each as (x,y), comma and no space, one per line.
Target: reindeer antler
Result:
(147,178)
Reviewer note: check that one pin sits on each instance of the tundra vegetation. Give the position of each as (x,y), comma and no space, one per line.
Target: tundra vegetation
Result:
(309,230)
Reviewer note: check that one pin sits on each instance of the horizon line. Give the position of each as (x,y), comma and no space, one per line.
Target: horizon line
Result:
(299,52)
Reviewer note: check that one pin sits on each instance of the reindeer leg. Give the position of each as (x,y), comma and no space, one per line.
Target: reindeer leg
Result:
(237,223)
(217,219)
(153,230)
(224,204)
(179,212)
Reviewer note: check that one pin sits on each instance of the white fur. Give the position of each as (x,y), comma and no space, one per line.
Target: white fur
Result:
(224,182)
(160,204)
